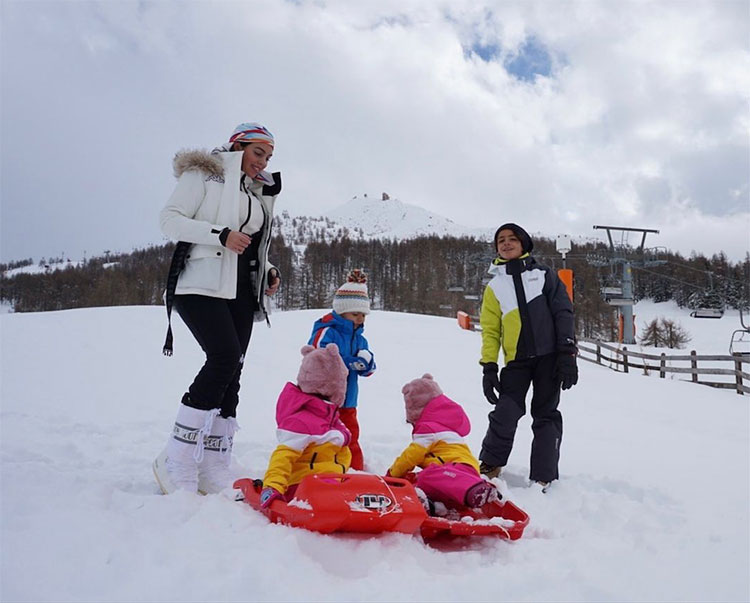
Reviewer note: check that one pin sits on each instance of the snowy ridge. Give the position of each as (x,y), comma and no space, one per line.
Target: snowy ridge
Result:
(392,218)
(374,217)
(366,217)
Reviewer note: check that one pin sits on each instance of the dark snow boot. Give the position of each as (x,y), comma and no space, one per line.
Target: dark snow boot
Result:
(489,470)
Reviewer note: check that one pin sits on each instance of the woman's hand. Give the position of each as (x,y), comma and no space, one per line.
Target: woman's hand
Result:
(237,241)
(274,280)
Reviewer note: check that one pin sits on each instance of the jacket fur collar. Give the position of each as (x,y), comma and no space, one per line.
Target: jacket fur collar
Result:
(197,159)
(210,163)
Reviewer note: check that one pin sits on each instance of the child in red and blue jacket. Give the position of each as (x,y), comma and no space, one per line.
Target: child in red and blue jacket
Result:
(344,327)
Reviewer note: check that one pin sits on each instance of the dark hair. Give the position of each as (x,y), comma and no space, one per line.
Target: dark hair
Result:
(526,243)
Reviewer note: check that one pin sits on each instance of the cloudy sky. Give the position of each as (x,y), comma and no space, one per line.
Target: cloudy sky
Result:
(555,115)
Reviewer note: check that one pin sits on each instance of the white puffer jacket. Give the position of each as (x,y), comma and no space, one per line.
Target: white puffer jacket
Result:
(206,200)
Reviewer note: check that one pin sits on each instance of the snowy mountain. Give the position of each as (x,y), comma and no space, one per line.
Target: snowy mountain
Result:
(367,217)
(651,504)
(380,216)
(392,218)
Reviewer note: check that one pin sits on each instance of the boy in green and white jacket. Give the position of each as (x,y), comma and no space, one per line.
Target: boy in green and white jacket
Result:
(527,312)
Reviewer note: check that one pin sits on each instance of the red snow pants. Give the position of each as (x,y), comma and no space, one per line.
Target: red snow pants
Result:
(348,417)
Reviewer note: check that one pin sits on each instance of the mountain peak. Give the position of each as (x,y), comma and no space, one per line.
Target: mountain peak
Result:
(384,216)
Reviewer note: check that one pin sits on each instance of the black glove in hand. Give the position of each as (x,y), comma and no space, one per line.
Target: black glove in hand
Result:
(490,382)
(566,370)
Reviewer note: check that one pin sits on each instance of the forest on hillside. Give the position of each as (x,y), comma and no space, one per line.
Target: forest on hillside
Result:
(425,275)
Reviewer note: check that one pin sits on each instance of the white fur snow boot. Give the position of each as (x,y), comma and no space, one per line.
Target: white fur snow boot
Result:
(176,468)
(213,471)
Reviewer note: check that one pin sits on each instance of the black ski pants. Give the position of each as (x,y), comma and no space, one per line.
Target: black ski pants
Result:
(547,427)
(223,328)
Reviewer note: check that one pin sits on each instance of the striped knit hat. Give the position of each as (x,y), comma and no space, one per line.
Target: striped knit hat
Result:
(352,295)
(251,132)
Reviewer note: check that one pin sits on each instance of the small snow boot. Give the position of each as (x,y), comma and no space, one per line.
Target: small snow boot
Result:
(489,470)
(480,494)
(543,487)
(213,471)
(427,504)
(176,468)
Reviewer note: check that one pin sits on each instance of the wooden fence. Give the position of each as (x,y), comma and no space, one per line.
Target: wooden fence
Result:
(620,358)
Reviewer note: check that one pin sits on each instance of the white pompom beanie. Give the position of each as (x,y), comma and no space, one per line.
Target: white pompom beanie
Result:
(352,296)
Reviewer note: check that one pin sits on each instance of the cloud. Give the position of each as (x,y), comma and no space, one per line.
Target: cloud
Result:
(558,116)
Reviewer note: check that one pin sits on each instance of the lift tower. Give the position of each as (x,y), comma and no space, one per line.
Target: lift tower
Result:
(621,253)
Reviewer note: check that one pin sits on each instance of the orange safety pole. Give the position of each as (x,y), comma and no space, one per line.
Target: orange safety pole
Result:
(566,276)
(464,320)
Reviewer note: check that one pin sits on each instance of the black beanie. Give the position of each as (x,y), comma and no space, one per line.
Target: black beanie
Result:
(526,243)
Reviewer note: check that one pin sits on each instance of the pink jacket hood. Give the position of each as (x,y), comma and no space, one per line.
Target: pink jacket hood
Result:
(441,415)
(308,415)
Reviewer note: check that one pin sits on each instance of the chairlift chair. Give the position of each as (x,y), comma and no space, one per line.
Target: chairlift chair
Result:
(707,313)
(707,304)
(740,342)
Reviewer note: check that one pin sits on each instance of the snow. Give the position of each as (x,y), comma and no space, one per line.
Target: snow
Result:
(707,335)
(652,504)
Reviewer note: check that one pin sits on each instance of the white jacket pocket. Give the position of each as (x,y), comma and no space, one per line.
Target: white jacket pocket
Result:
(203,265)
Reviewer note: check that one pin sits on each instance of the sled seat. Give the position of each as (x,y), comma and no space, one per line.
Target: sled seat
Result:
(501,519)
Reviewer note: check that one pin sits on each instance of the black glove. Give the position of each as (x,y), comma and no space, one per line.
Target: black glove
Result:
(566,370)
(490,382)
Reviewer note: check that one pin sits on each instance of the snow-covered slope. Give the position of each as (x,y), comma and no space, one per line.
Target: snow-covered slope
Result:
(651,504)
(393,218)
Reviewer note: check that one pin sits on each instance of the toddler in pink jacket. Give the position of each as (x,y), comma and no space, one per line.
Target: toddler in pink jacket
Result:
(311,436)
(450,472)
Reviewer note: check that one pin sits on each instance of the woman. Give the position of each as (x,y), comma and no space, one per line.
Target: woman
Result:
(221,212)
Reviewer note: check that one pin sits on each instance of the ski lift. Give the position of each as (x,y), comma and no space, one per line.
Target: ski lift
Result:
(707,313)
(611,290)
(707,304)
(740,342)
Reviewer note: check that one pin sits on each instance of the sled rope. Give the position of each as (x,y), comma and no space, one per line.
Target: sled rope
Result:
(397,505)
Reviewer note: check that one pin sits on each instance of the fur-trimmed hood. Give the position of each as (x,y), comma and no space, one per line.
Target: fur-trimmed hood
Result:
(197,159)
(209,162)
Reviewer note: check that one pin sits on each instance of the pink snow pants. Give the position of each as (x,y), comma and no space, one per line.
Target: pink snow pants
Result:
(448,483)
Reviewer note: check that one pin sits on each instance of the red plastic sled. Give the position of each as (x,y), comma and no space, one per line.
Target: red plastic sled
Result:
(355,502)
(365,503)
(500,519)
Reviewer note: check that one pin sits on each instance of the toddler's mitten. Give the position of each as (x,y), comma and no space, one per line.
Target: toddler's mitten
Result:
(363,362)
(267,496)
(368,358)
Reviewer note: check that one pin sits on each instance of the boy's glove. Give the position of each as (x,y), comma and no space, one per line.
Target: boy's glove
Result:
(363,362)
(267,496)
(490,382)
(566,370)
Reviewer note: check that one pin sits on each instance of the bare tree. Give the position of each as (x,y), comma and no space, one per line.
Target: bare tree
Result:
(675,336)
(653,334)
